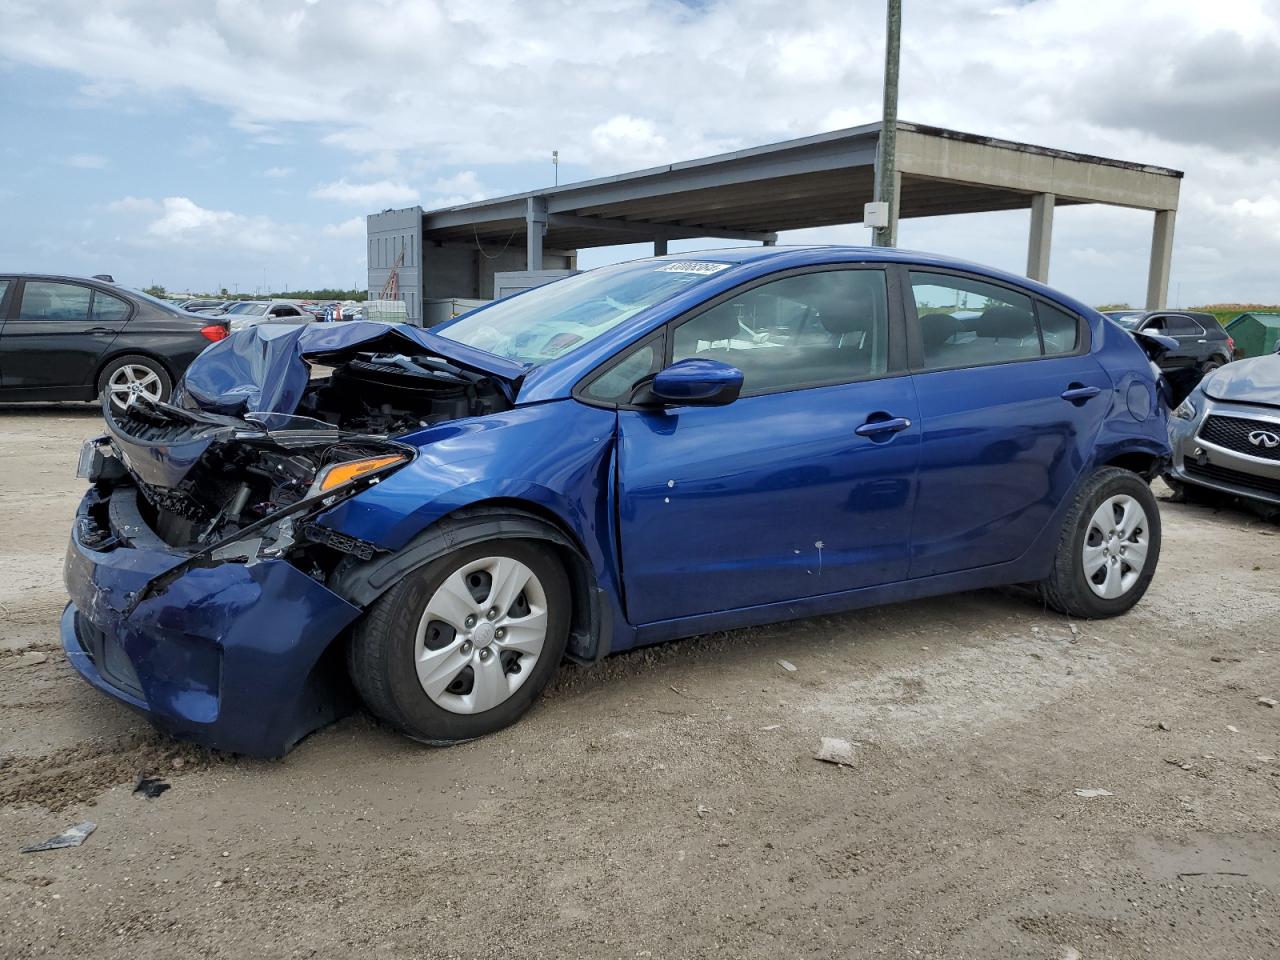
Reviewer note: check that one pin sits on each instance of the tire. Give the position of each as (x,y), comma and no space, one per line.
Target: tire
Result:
(404,643)
(1210,366)
(1068,588)
(132,374)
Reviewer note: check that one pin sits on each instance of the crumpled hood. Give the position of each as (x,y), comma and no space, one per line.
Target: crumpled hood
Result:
(264,367)
(1247,381)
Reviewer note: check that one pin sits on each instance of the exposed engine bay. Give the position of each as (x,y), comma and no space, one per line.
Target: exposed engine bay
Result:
(385,394)
(204,479)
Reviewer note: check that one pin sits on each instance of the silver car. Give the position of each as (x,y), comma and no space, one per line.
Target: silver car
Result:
(1226,433)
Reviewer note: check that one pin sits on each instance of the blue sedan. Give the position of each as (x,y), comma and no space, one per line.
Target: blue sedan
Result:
(433,521)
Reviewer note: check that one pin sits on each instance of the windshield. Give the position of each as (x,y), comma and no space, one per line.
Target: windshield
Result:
(549,321)
(245,307)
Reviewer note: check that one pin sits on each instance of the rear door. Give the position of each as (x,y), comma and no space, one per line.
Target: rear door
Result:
(8,285)
(54,336)
(1010,402)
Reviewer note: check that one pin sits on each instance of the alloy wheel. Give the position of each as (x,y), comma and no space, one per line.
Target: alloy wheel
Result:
(480,634)
(132,381)
(1115,546)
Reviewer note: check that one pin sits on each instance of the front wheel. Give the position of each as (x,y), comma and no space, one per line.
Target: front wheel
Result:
(1108,549)
(462,646)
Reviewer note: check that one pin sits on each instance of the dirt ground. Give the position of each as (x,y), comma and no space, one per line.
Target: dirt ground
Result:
(666,803)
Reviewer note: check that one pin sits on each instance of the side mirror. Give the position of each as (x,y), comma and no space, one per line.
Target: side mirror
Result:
(692,383)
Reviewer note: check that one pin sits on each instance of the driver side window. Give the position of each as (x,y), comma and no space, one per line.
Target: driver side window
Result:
(801,331)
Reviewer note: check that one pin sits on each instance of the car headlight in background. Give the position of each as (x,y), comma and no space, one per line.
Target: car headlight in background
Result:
(1186,410)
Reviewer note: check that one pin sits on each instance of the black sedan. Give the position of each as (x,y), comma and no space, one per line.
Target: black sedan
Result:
(67,338)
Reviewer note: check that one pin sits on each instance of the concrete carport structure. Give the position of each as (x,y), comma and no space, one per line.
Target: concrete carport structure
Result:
(752,194)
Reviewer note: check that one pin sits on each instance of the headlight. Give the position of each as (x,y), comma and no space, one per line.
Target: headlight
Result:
(340,474)
(1186,410)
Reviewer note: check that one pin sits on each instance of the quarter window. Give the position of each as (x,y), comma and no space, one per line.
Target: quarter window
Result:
(46,300)
(108,309)
(800,331)
(1060,330)
(617,382)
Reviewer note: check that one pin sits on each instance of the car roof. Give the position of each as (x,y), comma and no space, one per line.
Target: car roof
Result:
(846,253)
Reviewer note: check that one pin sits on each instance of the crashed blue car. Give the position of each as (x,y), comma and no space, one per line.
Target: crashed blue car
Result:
(431,521)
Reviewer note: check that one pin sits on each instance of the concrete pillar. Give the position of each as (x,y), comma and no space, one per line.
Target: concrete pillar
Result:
(1041,237)
(1161,259)
(660,247)
(771,243)
(535,220)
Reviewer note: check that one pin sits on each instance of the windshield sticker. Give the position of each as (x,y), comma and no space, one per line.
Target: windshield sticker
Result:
(703,267)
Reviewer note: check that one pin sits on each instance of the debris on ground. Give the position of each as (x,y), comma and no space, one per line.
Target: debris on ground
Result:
(703,810)
(70,837)
(30,658)
(837,751)
(1268,702)
(150,787)
(787,665)
(1090,792)
(1233,729)
(1180,764)
(1162,725)
(772,726)
(1069,953)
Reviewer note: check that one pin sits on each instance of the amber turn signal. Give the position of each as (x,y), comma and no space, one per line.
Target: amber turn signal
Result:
(341,474)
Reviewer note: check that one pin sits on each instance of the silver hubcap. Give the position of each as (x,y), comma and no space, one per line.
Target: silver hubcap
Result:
(132,381)
(1115,546)
(481,634)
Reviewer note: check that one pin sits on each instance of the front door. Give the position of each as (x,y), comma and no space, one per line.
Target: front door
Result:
(54,337)
(803,486)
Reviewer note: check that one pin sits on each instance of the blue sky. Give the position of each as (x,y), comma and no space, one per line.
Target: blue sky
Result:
(201,143)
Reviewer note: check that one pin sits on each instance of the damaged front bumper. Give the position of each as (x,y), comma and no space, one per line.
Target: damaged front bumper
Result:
(232,655)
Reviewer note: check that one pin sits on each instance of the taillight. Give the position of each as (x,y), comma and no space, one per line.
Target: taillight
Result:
(1231,344)
(214,332)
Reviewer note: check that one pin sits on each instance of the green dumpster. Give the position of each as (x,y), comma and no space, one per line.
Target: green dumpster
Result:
(1255,334)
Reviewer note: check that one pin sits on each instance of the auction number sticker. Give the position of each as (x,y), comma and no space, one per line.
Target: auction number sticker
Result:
(703,267)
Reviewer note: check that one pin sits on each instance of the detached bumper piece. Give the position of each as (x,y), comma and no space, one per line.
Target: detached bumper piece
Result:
(232,655)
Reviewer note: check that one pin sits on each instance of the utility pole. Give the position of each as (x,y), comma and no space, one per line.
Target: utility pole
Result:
(555,162)
(887,155)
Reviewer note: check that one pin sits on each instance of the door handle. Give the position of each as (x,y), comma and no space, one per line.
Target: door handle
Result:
(875,427)
(1077,393)
(99,331)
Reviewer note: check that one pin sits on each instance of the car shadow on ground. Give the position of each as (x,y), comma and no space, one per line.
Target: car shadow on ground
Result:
(69,408)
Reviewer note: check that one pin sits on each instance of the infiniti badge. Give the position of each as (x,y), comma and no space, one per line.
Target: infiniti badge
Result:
(1264,438)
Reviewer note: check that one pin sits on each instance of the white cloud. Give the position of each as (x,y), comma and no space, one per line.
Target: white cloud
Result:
(354,227)
(620,84)
(86,161)
(134,205)
(278,172)
(382,193)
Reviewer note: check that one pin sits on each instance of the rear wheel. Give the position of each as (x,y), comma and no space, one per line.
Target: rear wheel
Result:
(463,646)
(1108,549)
(127,378)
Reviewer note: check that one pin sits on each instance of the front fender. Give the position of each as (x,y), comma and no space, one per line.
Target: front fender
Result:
(554,460)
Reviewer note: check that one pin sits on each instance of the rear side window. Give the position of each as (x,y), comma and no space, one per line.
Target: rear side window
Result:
(49,300)
(965,322)
(107,308)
